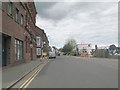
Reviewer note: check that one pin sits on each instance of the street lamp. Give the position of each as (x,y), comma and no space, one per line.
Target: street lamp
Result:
(43,43)
(31,45)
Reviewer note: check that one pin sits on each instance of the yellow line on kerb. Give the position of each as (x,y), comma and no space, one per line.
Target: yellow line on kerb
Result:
(30,79)
(27,80)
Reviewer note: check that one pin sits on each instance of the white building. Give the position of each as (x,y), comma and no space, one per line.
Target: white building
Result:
(84,47)
(39,43)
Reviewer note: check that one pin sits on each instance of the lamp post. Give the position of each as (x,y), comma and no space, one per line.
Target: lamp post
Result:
(31,45)
(43,43)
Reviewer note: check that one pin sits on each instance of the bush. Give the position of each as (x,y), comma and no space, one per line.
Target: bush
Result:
(103,53)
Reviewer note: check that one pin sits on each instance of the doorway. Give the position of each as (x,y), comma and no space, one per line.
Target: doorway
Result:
(5,49)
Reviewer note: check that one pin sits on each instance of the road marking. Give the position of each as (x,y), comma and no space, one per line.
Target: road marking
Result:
(30,79)
(27,80)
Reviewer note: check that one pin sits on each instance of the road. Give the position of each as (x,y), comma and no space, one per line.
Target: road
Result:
(76,72)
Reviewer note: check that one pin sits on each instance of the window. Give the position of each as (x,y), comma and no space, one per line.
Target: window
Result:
(10,8)
(17,15)
(21,20)
(26,22)
(0,4)
(18,49)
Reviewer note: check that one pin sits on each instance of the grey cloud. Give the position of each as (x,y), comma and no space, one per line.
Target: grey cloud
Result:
(61,10)
(88,21)
(42,7)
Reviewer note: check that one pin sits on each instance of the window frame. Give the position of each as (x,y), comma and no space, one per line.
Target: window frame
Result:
(10,8)
(18,50)
(22,20)
(17,15)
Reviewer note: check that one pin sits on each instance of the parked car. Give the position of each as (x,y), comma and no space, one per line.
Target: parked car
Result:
(58,53)
(52,53)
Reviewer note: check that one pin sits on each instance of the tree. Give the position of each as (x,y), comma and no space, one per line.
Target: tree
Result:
(118,50)
(69,46)
(112,48)
(60,49)
(72,43)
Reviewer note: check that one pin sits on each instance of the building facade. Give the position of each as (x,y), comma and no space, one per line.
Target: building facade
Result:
(84,49)
(41,42)
(18,35)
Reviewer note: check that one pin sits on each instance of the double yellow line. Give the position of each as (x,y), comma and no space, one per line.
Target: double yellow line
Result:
(29,80)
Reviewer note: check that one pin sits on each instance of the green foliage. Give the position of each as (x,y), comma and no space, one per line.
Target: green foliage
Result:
(69,46)
(115,57)
(112,47)
(103,53)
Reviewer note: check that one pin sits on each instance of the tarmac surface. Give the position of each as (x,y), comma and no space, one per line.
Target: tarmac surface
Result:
(76,72)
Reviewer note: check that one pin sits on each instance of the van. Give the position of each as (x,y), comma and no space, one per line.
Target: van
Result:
(52,53)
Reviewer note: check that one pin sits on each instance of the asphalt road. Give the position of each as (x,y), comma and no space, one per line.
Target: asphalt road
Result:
(76,72)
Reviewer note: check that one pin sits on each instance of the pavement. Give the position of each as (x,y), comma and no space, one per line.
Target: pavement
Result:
(14,74)
(76,72)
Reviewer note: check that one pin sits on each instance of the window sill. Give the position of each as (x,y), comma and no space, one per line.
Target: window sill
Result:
(10,16)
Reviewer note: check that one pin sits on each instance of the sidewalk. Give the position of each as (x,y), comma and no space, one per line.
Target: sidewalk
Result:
(11,75)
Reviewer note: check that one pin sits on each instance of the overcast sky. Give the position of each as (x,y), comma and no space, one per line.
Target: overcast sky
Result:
(86,22)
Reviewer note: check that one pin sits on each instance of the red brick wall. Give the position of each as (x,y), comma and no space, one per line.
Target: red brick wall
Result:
(15,30)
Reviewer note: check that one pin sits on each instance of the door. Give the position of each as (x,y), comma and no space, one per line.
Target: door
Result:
(31,53)
(3,51)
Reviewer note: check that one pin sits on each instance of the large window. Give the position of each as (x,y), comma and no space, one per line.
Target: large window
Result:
(18,49)
(21,19)
(10,8)
(17,15)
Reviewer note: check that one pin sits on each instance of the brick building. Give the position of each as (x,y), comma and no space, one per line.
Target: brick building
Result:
(41,41)
(18,35)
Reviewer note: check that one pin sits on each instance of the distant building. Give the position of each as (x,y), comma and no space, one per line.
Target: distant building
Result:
(57,52)
(84,49)
(41,42)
